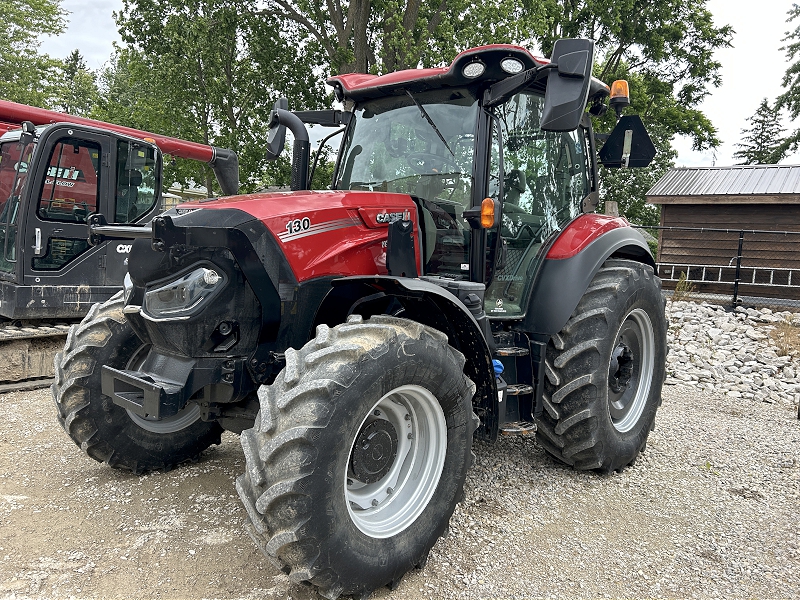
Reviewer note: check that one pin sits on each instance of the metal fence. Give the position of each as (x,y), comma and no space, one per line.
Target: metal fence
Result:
(730,267)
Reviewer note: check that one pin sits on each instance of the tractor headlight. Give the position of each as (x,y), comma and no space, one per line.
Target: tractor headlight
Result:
(184,296)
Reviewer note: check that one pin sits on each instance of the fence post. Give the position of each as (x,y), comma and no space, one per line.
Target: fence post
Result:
(738,268)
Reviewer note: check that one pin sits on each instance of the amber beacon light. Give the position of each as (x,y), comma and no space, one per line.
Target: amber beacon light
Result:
(620,96)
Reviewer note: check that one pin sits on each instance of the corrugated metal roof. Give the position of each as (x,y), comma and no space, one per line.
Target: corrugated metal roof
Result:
(750,180)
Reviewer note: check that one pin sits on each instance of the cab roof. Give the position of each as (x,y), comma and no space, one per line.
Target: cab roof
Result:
(362,86)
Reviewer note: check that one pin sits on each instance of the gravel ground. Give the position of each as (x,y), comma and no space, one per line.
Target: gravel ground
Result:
(711,510)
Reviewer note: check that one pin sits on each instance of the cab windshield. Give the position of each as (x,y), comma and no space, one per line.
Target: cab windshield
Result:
(420,144)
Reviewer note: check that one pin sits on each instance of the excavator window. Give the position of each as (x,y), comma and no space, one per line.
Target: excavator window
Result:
(72,185)
(137,181)
(14,161)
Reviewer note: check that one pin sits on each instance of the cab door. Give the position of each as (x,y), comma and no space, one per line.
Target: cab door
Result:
(541,181)
(134,197)
(69,183)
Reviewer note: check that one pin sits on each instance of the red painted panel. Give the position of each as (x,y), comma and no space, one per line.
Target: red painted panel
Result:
(6,127)
(325,232)
(582,232)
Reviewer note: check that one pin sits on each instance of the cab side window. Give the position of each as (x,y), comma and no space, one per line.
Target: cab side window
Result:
(137,181)
(72,184)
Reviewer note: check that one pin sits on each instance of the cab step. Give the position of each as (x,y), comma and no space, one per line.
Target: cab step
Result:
(511,351)
(518,428)
(518,389)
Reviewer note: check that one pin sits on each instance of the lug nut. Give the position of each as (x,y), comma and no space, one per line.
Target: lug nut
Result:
(389,491)
(377,413)
(375,502)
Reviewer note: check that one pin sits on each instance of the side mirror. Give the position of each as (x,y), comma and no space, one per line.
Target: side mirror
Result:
(28,133)
(567,85)
(628,145)
(276,138)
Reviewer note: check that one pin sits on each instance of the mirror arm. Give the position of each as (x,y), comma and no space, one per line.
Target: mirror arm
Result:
(503,90)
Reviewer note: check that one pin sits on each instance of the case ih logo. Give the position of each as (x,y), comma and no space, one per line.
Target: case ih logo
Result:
(392,217)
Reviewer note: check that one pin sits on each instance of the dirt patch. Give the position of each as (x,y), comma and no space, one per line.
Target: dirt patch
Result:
(710,510)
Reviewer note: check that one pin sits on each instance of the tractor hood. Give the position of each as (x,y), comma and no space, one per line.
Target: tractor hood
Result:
(322,233)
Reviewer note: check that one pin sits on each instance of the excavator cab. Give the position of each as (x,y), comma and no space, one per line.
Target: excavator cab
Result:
(51,179)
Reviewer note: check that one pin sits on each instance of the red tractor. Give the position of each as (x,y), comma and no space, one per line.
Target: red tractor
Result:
(453,283)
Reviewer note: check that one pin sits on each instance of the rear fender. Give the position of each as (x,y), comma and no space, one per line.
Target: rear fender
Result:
(431,305)
(570,264)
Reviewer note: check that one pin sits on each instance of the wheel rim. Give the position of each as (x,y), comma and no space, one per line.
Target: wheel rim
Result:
(395,461)
(181,420)
(630,370)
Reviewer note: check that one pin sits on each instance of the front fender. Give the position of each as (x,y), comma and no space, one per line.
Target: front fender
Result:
(429,304)
(564,276)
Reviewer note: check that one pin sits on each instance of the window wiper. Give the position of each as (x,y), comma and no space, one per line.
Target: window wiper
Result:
(425,114)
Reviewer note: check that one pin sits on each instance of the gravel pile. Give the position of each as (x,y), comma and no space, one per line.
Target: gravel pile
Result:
(732,351)
(710,510)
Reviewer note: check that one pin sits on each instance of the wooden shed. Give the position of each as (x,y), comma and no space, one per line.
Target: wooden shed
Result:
(717,219)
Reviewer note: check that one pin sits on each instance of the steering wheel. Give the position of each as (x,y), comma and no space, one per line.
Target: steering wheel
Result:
(427,163)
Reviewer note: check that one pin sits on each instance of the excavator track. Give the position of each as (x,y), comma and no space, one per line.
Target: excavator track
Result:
(27,352)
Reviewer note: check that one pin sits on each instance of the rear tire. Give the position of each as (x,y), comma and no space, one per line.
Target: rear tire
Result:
(359,454)
(104,431)
(604,371)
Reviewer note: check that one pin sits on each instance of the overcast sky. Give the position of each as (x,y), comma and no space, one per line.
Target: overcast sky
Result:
(751,70)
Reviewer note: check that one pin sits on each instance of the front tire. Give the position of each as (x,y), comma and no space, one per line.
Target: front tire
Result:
(604,371)
(104,431)
(359,454)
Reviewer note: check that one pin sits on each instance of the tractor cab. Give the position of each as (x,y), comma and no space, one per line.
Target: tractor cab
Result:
(497,130)
(459,155)
(51,179)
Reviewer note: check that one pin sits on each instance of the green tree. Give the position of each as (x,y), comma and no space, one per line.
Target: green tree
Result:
(78,90)
(379,36)
(790,98)
(667,45)
(762,143)
(26,75)
(209,71)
